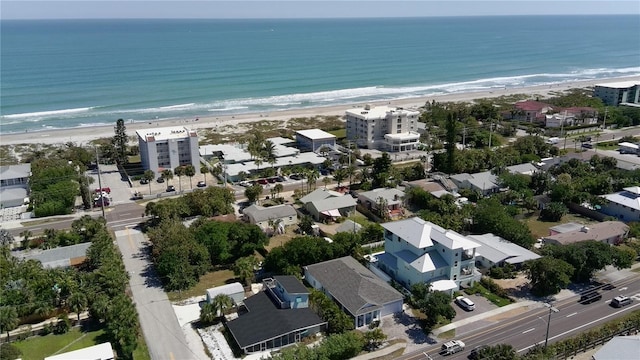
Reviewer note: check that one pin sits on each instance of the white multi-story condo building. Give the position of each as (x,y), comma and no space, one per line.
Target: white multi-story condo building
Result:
(168,148)
(383,128)
(623,92)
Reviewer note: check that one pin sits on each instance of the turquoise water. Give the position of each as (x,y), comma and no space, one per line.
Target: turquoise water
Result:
(72,73)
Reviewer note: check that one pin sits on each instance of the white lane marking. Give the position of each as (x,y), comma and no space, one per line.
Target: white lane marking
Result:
(530,330)
(570,315)
(623,289)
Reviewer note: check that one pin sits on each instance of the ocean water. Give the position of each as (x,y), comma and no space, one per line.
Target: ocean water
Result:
(77,73)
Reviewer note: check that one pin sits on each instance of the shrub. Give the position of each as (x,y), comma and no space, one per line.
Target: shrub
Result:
(63,325)
(9,352)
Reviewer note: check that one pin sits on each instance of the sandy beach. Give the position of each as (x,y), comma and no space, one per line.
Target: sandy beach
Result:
(87,134)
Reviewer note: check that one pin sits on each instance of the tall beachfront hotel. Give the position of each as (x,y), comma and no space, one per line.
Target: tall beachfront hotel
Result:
(384,128)
(618,93)
(168,148)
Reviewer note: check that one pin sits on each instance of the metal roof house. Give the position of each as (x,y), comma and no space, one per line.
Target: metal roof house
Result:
(65,256)
(102,351)
(619,348)
(360,293)
(420,251)
(327,204)
(623,205)
(393,198)
(274,318)
(234,290)
(496,251)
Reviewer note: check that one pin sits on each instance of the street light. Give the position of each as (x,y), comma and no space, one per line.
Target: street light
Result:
(551,310)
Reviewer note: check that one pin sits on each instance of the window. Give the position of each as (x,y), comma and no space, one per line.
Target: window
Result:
(455,263)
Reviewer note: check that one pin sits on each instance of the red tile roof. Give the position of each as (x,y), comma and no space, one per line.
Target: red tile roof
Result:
(531,105)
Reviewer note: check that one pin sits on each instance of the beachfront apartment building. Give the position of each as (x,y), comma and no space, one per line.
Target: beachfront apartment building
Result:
(616,93)
(418,251)
(168,148)
(384,128)
(14,185)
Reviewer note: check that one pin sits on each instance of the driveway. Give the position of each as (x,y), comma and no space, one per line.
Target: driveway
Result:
(162,332)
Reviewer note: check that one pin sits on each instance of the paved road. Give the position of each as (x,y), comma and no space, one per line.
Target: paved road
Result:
(529,329)
(160,327)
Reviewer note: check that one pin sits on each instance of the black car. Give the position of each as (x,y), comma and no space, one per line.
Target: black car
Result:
(587,146)
(589,297)
(475,353)
(160,180)
(171,188)
(201,184)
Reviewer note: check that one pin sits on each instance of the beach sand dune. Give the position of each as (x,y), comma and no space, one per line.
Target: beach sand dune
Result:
(229,123)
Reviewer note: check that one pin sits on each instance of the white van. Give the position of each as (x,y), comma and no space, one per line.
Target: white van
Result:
(553,140)
(620,301)
(452,347)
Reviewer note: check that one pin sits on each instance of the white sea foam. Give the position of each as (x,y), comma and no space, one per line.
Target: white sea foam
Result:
(40,114)
(228,108)
(176,107)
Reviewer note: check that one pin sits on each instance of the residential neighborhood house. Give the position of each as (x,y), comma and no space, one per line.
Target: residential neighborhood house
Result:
(102,351)
(623,205)
(390,198)
(610,232)
(359,292)
(328,205)
(531,111)
(276,317)
(619,348)
(272,218)
(496,251)
(384,128)
(418,251)
(14,185)
(60,257)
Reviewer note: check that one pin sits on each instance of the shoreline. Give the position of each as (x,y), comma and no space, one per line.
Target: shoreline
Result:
(82,135)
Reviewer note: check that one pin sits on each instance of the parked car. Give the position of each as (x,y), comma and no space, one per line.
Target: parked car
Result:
(620,301)
(451,347)
(465,303)
(244,183)
(160,179)
(201,184)
(144,181)
(101,202)
(589,297)
(137,196)
(105,189)
(263,181)
(272,180)
(295,177)
(171,188)
(587,145)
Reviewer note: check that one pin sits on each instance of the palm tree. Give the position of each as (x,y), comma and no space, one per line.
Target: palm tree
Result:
(167,175)
(278,188)
(77,303)
(326,181)
(208,313)
(8,319)
(25,236)
(149,175)
(204,169)
(312,178)
(190,171)
(99,307)
(220,303)
(269,152)
(243,268)
(339,176)
(179,172)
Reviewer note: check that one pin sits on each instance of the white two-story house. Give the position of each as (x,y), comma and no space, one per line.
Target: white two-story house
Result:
(419,251)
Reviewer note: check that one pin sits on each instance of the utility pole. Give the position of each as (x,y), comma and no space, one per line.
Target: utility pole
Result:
(604,120)
(464,136)
(490,132)
(99,180)
(551,311)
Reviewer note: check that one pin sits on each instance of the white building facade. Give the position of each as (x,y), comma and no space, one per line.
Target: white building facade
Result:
(618,93)
(383,128)
(168,148)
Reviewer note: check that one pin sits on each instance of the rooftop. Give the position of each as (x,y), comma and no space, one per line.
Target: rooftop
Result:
(531,105)
(563,228)
(353,285)
(333,203)
(58,257)
(291,284)
(261,213)
(391,195)
(319,194)
(102,351)
(227,289)
(15,171)
(497,249)
(264,321)
(165,133)
(600,231)
(378,112)
(619,348)
(619,84)
(629,197)
(421,234)
(315,134)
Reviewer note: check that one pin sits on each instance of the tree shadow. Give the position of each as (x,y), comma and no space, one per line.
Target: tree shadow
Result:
(151,278)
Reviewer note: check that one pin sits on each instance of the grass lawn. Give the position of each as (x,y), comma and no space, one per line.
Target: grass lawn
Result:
(141,352)
(39,347)
(281,239)
(207,281)
(340,133)
(541,228)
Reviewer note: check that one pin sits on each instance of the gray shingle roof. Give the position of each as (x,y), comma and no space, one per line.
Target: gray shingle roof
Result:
(392,196)
(259,213)
(58,257)
(291,284)
(334,203)
(319,194)
(353,285)
(15,171)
